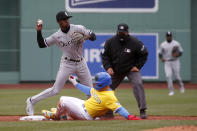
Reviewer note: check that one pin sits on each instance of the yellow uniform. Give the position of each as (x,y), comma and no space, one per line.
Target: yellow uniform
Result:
(100,102)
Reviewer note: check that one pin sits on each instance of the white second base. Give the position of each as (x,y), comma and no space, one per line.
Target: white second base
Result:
(33,118)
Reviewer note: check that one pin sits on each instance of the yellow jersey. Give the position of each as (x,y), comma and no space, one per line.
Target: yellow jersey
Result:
(100,102)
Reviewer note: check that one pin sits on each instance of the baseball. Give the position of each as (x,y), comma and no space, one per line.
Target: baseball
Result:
(39,22)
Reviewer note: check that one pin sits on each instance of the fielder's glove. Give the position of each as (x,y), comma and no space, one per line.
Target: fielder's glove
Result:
(175,51)
(77,38)
(73,80)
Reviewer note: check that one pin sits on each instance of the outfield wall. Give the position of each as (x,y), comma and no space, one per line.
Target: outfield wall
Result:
(42,64)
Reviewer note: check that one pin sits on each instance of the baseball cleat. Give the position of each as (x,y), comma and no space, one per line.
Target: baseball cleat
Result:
(143,114)
(48,114)
(30,107)
(182,90)
(171,93)
(53,110)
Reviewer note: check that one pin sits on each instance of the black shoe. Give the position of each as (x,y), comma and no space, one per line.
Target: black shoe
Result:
(143,114)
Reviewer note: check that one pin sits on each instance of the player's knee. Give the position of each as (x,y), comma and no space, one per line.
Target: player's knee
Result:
(138,85)
(168,77)
(177,77)
(55,91)
(62,98)
(61,101)
(65,98)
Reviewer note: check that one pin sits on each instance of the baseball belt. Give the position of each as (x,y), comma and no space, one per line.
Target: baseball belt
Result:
(66,58)
(171,59)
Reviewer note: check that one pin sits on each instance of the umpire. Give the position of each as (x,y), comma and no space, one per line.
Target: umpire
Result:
(125,55)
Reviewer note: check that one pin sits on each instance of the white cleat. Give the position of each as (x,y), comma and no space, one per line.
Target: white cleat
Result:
(171,93)
(182,90)
(30,107)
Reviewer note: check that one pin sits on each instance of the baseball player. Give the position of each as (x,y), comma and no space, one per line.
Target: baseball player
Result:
(171,61)
(102,99)
(69,38)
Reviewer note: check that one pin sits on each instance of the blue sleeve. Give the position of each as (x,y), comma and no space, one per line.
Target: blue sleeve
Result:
(83,88)
(123,112)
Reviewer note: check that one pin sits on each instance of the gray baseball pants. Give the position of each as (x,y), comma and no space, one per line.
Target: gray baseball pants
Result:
(66,69)
(136,81)
(173,67)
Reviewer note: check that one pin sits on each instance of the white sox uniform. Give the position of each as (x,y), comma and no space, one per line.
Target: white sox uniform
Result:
(171,64)
(69,38)
(72,61)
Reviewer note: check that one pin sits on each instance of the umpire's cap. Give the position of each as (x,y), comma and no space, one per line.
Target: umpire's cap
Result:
(123,28)
(102,79)
(168,33)
(62,15)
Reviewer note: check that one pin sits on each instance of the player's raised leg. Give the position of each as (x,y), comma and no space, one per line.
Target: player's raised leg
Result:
(61,78)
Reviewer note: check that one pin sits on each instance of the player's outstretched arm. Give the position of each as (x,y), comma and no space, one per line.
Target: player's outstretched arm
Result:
(40,39)
(83,88)
(123,112)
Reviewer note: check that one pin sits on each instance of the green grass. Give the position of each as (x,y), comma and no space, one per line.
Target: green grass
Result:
(12,102)
(120,125)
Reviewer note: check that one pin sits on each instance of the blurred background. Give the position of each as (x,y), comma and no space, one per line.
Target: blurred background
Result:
(22,61)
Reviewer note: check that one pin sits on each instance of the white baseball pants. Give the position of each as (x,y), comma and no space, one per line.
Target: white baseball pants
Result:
(74,107)
(66,69)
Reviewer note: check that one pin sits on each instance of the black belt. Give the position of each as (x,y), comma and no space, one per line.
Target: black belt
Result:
(171,60)
(73,59)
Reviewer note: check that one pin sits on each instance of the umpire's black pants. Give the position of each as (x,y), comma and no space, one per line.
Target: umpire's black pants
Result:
(136,81)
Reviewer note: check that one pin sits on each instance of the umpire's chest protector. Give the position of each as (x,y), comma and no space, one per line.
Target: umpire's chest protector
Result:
(123,55)
(123,52)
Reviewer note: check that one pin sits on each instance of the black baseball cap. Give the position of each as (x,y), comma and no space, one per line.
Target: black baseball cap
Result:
(62,15)
(168,33)
(123,28)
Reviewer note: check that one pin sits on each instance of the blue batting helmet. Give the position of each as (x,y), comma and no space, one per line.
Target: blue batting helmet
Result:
(102,79)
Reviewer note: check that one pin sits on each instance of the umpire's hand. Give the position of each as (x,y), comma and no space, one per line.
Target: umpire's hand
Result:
(135,69)
(110,71)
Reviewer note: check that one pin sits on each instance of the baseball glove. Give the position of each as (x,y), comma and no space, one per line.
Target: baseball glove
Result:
(77,38)
(175,51)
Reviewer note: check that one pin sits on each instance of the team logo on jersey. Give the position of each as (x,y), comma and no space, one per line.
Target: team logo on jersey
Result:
(142,48)
(127,50)
(64,44)
(95,96)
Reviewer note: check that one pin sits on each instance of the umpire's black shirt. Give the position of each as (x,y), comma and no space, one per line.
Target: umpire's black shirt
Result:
(122,56)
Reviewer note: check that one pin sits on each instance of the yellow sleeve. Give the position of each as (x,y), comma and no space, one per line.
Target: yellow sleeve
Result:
(91,90)
(112,104)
